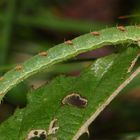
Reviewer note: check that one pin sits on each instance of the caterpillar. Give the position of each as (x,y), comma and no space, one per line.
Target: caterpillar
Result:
(63,51)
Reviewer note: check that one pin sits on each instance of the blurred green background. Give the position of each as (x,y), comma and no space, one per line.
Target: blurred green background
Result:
(28,27)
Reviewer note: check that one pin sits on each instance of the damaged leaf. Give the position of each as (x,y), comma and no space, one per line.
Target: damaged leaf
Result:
(65,108)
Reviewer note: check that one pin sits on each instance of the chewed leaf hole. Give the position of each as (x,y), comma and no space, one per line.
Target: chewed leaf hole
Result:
(37,135)
(75,99)
(53,127)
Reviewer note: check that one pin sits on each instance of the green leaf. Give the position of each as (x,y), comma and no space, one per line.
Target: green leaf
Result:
(68,105)
(66,51)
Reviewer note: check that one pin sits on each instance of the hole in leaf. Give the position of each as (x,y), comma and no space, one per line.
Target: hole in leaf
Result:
(37,135)
(53,127)
(75,99)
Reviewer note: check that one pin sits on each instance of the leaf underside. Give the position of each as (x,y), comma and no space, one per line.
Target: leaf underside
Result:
(96,87)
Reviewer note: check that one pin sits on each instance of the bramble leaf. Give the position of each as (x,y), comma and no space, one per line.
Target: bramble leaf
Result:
(65,108)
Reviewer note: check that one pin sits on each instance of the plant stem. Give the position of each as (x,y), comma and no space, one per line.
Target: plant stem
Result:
(7,31)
